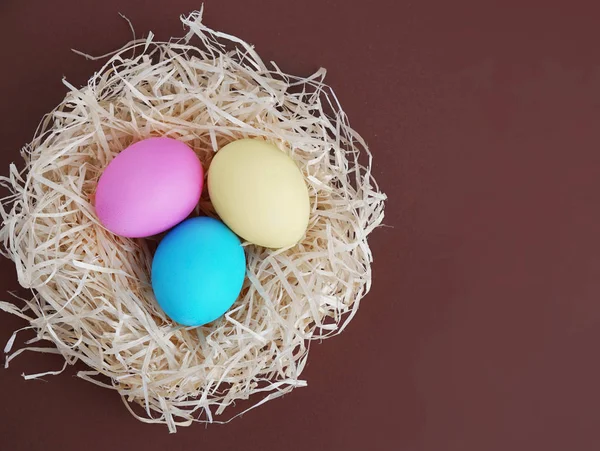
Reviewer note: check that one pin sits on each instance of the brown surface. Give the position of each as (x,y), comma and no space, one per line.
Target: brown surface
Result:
(482,327)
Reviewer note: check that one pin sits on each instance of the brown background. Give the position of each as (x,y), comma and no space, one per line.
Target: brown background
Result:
(482,329)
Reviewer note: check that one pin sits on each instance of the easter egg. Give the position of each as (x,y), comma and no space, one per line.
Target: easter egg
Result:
(198,271)
(149,187)
(260,193)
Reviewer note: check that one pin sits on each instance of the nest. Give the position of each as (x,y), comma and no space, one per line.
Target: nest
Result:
(91,292)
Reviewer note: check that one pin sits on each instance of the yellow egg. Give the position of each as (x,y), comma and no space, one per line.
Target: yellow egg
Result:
(260,193)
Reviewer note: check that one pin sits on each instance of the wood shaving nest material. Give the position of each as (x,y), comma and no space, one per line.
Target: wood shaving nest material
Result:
(91,292)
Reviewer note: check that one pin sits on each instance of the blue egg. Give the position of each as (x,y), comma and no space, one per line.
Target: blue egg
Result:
(198,271)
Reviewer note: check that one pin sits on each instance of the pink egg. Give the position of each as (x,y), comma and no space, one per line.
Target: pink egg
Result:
(149,187)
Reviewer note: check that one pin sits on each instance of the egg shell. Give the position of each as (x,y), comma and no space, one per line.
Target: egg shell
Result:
(198,271)
(149,187)
(260,193)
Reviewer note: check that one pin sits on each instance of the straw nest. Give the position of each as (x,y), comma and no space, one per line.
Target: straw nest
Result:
(91,293)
